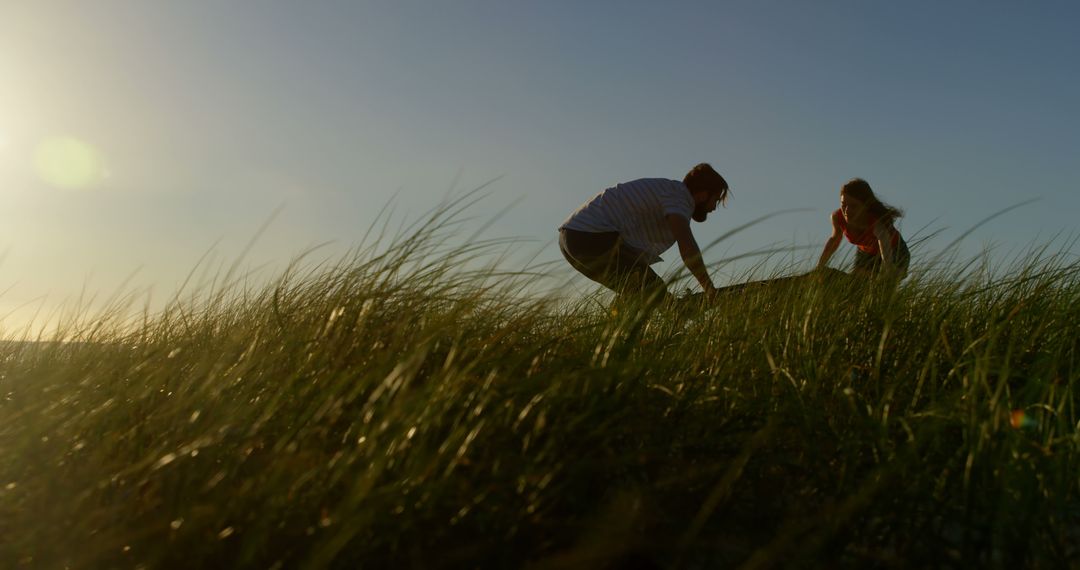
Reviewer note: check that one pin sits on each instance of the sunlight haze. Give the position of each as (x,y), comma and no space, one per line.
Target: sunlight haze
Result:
(137,136)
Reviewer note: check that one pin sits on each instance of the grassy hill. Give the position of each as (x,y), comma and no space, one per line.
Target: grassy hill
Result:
(394,410)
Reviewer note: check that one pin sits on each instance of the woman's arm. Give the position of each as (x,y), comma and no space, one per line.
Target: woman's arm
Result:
(832,243)
(883,233)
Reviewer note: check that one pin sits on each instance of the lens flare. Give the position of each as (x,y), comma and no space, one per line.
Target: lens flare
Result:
(67,162)
(1018,419)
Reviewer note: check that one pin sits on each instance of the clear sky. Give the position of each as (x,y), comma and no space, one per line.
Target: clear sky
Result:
(134,136)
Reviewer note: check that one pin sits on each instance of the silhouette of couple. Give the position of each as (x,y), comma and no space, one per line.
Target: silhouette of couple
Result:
(615,236)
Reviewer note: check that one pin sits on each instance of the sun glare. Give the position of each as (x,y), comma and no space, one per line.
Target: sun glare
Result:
(67,162)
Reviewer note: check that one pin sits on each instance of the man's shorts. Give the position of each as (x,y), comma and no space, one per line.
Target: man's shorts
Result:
(608,260)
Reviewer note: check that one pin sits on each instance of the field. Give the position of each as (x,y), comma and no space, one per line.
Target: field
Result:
(393,409)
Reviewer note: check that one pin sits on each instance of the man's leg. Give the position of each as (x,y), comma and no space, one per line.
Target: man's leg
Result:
(635,278)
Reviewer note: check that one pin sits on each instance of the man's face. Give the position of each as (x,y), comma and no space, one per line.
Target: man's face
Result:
(704,203)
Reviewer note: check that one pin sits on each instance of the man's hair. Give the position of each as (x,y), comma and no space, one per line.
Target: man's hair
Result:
(702,178)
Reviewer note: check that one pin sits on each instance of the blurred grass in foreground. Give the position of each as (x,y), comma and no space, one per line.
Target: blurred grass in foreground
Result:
(395,410)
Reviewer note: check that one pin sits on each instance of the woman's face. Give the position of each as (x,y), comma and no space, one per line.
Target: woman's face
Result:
(851,208)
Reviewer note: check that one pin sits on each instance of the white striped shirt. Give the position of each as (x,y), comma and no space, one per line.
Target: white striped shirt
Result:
(638,211)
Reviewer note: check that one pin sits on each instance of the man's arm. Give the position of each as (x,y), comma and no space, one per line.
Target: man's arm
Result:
(832,243)
(690,252)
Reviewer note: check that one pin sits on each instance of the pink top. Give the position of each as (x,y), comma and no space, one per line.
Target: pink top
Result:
(866,241)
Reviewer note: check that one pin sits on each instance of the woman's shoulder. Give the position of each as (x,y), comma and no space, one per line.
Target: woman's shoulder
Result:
(883,224)
(882,219)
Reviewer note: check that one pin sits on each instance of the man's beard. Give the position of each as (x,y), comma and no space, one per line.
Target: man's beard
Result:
(700,213)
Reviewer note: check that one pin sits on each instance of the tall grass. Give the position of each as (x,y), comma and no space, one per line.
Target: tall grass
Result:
(409,406)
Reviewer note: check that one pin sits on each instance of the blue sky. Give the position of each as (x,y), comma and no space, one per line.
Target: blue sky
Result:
(203,117)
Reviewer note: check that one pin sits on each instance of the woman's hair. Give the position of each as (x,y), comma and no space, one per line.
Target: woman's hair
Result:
(860,190)
(703,178)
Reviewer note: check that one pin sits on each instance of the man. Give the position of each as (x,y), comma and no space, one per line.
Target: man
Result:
(614,237)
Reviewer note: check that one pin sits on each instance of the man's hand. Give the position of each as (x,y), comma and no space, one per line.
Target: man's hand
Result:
(712,294)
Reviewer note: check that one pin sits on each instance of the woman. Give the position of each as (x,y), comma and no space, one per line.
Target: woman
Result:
(868,223)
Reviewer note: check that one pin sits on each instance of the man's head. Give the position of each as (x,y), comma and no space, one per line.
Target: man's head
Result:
(708,188)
